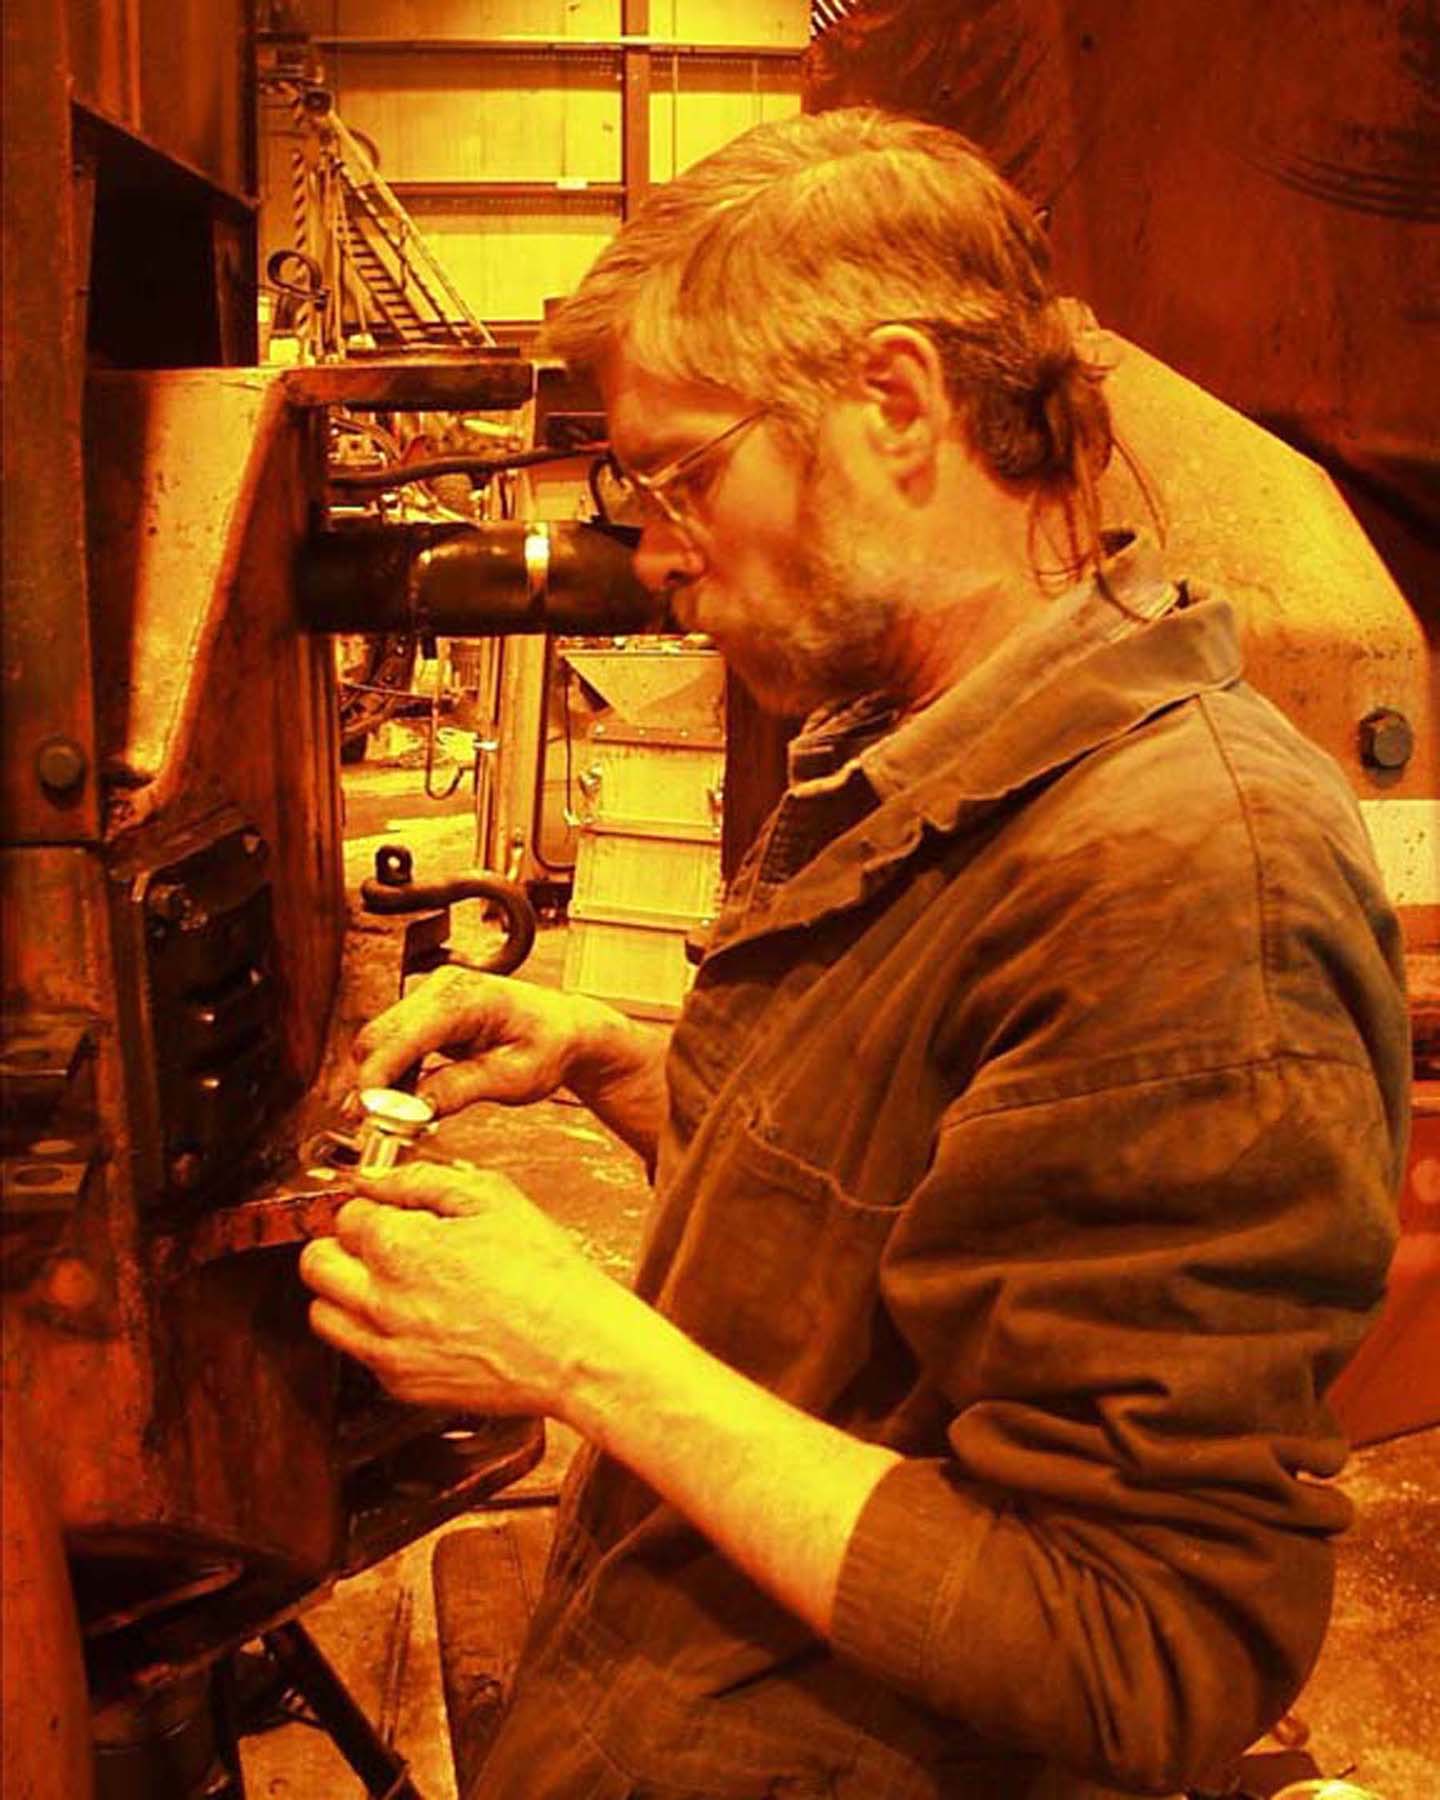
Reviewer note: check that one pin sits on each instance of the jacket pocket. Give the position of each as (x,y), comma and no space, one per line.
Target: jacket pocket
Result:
(776,1270)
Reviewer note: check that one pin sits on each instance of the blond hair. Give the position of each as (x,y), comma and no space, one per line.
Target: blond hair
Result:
(761,268)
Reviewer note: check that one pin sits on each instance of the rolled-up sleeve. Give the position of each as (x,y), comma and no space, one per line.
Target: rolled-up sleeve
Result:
(1129,1298)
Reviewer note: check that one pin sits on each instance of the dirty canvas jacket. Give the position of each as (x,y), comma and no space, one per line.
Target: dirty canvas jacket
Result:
(1037,1113)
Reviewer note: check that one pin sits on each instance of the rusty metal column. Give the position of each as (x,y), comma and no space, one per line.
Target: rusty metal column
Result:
(47,739)
(635,104)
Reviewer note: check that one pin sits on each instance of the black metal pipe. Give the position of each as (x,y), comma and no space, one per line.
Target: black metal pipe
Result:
(381,1769)
(569,577)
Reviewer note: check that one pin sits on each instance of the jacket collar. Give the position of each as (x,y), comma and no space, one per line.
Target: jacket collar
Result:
(1096,662)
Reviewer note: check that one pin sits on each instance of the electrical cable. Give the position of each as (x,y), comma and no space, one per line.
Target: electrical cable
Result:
(486,466)
(537,808)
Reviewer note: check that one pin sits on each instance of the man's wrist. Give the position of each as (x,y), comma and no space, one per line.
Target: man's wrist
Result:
(616,1355)
(609,1050)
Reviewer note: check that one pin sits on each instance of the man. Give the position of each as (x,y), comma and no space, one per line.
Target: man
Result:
(1025,1154)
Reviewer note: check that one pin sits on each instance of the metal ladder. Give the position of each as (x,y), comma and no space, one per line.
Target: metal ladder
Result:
(414,303)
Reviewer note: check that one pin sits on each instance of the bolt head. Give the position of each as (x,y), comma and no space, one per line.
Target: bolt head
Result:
(1387,739)
(170,902)
(61,765)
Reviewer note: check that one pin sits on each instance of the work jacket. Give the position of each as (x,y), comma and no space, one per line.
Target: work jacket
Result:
(1037,1113)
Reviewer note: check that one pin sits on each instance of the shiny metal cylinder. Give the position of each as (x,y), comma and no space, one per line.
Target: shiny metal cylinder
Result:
(394,1124)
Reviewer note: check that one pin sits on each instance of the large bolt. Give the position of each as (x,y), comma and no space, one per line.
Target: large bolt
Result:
(1387,739)
(60,764)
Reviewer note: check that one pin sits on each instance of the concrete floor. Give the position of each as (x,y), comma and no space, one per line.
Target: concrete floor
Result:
(1371,1710)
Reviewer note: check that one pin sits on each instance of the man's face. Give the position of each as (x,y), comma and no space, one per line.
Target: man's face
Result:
(781,557)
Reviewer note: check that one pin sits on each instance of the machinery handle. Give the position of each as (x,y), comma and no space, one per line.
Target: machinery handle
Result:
(391,897)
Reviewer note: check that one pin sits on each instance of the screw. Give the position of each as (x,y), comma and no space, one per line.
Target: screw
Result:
(170,902)
(186,1169)
(1387,739)
(60,764)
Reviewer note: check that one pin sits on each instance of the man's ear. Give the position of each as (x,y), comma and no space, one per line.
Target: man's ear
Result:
(908,407)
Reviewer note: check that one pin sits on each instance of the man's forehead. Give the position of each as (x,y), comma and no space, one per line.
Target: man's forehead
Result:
(653,418)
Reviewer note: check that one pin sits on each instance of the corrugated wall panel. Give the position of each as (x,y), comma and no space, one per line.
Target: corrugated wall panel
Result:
(508,259)
(695,107)
(454,116)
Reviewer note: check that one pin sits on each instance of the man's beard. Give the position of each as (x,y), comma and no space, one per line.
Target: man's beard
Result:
(839,642)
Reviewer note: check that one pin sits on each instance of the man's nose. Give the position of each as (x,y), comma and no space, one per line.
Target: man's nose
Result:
(666,557)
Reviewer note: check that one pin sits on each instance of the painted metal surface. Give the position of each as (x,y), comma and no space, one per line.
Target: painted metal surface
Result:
(45,1685)
(173,72)
(160,1328)
(1329,637)
(1251,192)
(176,465)
(45,712)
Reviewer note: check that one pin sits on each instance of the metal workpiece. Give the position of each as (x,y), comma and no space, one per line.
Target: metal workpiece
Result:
(394,1124)
(567,577)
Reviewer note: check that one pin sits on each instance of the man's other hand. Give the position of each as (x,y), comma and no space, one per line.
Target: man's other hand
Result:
(509,1040)
(458,1292)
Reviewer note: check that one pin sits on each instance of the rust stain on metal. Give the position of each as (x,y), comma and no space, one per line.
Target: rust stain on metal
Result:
(268,1223)
(485,382)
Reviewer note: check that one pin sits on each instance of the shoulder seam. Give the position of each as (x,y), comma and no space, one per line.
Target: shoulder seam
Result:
(1247,814)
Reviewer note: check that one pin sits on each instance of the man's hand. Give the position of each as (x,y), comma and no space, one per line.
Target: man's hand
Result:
(458,1292)
(513,1042)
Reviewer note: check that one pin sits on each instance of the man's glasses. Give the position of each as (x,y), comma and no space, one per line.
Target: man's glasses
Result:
(625,497)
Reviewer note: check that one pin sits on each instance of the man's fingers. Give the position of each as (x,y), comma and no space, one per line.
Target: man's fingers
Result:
(386,1049)
(331,1270)
(450,1089)
(452,1006)
(423,1021)
(423,1187)
(344,1331)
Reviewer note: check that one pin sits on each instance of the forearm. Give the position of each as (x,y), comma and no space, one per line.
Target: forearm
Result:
(618,1070)
(1132,1674)
(775,1490)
